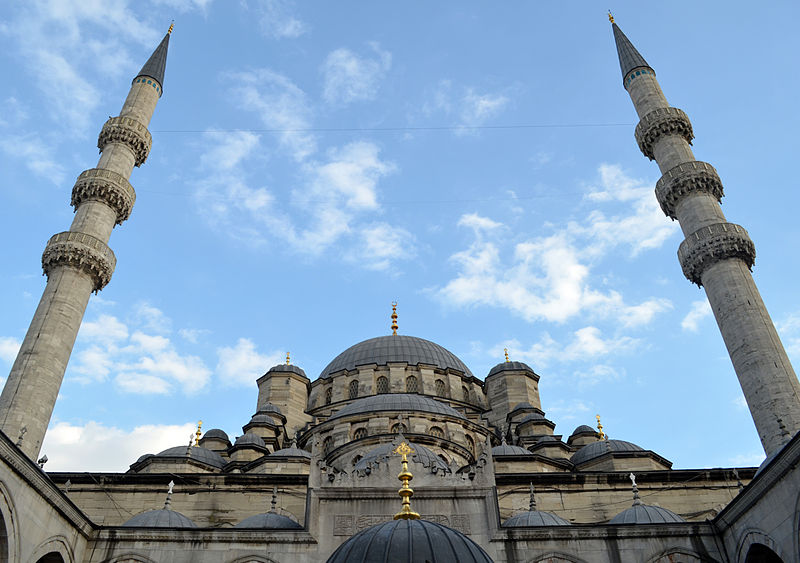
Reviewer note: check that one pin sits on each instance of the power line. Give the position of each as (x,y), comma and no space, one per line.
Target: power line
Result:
(402,129)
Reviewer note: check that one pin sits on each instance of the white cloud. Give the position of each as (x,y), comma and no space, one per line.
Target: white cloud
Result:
(383,244)
(106,329)
(476,108)
(468,106)
(740,402)
(349,77)
(751,459)
(242,364)
(184,5)
(192,334)
(9,346)
(597,374)
(571,410)
(37,155)
(699,311)
(96,447)
(277,20)
(478,223)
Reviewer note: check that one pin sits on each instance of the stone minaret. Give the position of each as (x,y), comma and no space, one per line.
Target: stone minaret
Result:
(78,262)
(715,254)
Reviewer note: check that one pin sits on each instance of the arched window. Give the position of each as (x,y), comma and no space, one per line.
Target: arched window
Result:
(353,392)
(399,428)
(436,432)
(328,395)
(471,445)
(465,392)
(327,446)
(411,384)
(760,553)
(383,385)
(441,389)
(359,433)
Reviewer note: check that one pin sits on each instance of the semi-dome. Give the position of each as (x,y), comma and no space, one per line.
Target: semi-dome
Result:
(646,514)
(508,449)
(509,366)
(291,452)
(217,434)
(395,348)
(197,453)
(269,520)
(535,518)
(287,368)
(162,518)
(597,449)
(405,402)
(409,540)
(385,452)
(249,439)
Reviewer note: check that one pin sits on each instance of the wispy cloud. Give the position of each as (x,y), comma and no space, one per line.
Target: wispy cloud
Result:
(39,156)
(9,346)
(349,77)
(467,105)
(240,365)
(699,311)
(277,19)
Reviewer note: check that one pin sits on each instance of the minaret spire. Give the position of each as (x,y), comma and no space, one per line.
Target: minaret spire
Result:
(716,255)
(78,262)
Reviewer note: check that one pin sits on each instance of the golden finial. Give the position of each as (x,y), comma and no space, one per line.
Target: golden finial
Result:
(600,429)
(394,317)
(287,359)
(199,425)
(171,27)
(405,491)
(505,351)
(610,17)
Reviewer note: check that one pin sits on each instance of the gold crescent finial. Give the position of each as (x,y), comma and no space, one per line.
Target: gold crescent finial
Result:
(610,17)
(600,429)
(171,27)
(394,317)
(197,434)
(405,491)
(287,359)
(505,351)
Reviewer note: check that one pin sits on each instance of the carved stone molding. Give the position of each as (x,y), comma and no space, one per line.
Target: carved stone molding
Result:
(686,178)
(130,132)
(81,251)
(107,186)
(662,121)
(714,243)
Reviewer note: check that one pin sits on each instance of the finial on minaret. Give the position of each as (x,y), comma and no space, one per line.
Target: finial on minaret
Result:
(172,26)
(405,491)
(197,434)
(532,505)
(505,351)
(287,359)
(169,495)
(636,500)
(600,429)
(394,317)
(610,17)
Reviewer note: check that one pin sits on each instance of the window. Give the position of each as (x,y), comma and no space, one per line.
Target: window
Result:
(383,385)
(359,433)
(411,384)
(471,445)
(465,392)
(328,395)
(441,389)
(353,393)
(399,428)
(327,446)
(436,432)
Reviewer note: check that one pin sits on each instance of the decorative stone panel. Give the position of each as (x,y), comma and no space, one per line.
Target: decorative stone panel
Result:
(107,186)
(714,243)
(686,178)
(127,131)
(659,122)
(83,252)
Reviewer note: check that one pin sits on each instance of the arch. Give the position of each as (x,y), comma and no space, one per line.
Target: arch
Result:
(681,554)
(382,385)
(399,428)
(757,547)
(9,540)
(412,384)
(55,549)
(436,432)
(131,558)
(441,388)
(465,393)
(359,433)
(352,390)
(555,557)
(471,445)
(328,395)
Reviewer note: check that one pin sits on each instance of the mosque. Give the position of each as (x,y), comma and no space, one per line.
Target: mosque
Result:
(314,475)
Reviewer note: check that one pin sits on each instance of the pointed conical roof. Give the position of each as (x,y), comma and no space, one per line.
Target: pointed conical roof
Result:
(629,57)
(157,63)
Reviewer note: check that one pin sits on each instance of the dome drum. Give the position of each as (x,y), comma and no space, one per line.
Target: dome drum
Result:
(180,459)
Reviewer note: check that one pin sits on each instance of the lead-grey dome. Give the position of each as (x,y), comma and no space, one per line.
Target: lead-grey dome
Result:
(197,453)
(266,408)
(385,454)
(509,366)
(395,348)
(288,368)
(162,518)
(292,452)
(249,439)
(535,518)
(508,449)
(409,540)
(397,402)
(584,428)
(216,433)
(646,514)
(597,449)
(269,520)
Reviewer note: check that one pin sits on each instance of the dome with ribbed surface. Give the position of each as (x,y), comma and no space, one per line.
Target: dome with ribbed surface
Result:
(646,514)
(535,518)
(395,348)
(197,453)
(162,518)
(409,540)
(406,402)
(509,366)
(507,449)
(385,454)
(597,449)
(269,520)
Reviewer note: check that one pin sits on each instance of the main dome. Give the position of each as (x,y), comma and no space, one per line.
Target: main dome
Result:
(395,348)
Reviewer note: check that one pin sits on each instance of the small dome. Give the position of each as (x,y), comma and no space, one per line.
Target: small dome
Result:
(509,366)
(269,520)
(163,518)
(584,429)
(522,407)
(405,402)
(143,457)
(395,348)
(216,434)
(409,540)
(384,452)
(249,439)
(260,418)
(197,453)
(292,452)
(597,449)
(532,416)
(506,449)
(267,408)
(287,368)
(646,514)
(535,518)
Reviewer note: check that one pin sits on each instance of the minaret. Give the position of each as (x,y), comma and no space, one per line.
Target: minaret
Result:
(78,262)
(715,254)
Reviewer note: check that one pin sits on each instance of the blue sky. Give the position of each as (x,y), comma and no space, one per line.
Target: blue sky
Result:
(312,162)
